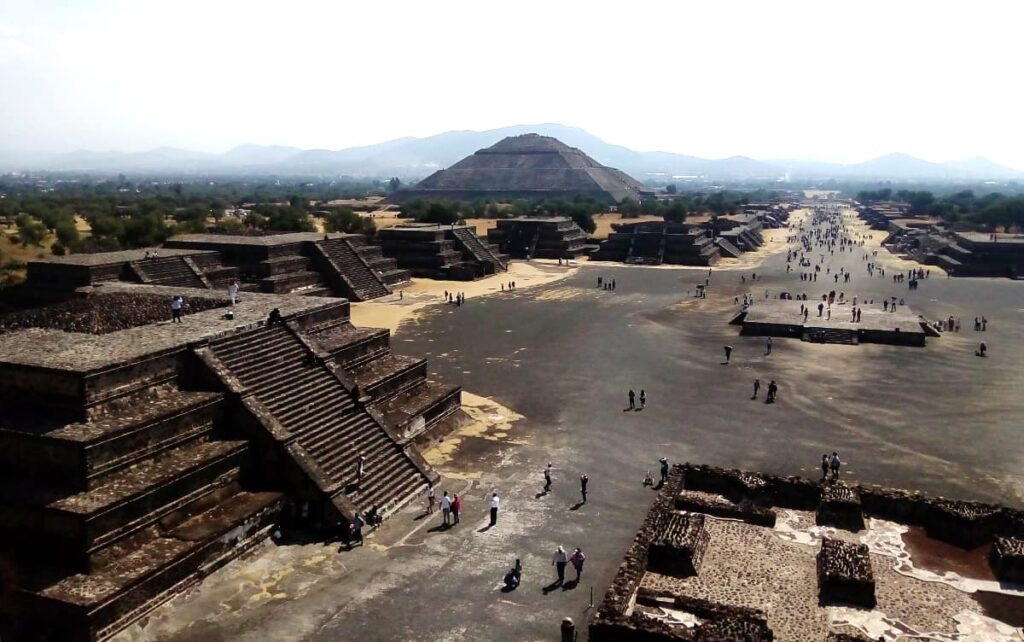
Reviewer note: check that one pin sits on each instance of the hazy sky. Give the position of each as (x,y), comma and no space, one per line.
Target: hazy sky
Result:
(827,79)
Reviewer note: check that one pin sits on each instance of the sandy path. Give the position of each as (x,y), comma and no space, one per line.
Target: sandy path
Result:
(391,311)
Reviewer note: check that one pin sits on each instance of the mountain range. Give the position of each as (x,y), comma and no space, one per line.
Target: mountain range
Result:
(414,158)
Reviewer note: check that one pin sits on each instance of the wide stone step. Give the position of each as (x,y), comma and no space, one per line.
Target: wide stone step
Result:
(94,606)
(389,375)
(81,455)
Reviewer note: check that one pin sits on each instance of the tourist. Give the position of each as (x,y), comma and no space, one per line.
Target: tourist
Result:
(632,400)
(430,499)
(982,349)
(599,281)
(728,353)
(643,399)
(577,560)
(356,530)
(768,346)
(233,291)
(373,517)
(274,317)
(648,480)
(757,388)
(584,480)
(514,575)
(177,303)
(547,478)
(495,502)
(773,390)
(446,509)
(559,560)
(456,508)
(664,469)
(360,468)
(824,466)
(834,464)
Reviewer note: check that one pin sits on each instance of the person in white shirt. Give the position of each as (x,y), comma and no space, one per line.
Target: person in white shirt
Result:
(233,291)
(559,560)
(446,509)
(494,508)
(177,303)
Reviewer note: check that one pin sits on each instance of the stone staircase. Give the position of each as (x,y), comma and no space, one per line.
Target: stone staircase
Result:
(480,251)
(317,413)
(728,249)
(168,270)
(361,281)
(396,387)
(830,335)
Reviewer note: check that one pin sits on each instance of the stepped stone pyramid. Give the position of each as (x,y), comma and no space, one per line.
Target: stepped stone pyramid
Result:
(528,166)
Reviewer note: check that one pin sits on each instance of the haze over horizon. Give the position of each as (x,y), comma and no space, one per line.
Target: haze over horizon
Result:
(831,82)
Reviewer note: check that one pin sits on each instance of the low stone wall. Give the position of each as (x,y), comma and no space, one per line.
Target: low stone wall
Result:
(745,510)
(840,506)
(844,573)
(963,523)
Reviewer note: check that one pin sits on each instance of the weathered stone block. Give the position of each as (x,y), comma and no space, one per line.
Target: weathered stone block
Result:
(844,573)
(840,506)
(747,511)
(1007,559)
(678,545)
(966,524)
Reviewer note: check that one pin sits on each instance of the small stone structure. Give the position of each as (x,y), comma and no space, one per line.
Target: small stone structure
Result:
(538,237)
(654,243)
(302,263)
(844,573)
(711,504)
(1007,559)
(840,506)
(450,252)
(678,545)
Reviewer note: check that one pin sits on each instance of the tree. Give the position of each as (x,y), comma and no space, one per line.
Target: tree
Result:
(676,211)
(670,188)
(30,231)
(394,184)
(67,233)
(345,219)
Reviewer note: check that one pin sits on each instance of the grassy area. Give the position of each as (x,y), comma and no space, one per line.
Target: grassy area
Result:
(10,251)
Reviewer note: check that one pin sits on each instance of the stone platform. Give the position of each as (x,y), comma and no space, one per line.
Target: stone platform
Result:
(782,318)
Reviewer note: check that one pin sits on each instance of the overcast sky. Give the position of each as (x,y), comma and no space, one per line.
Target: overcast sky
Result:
(827,79)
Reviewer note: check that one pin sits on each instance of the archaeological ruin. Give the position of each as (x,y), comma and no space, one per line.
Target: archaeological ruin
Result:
(707,565)
(528,167)
(139,454)
(450,252)
(539,237)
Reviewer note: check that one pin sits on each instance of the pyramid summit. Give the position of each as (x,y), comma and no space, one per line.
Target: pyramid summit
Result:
(528,166)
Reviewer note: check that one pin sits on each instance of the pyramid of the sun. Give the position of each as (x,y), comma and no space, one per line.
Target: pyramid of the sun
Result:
(528,166)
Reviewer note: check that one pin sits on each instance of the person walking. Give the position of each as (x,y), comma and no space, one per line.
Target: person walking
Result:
(456,508)
(757,388)
(768,346)
(664,469)
(728,353)
(233,291)
(834,464)
(824,466)
(430,499)
(547,478)
(495,502)
(356,530)
(583,488)
(643,399)
(559,560)
(446,509)
(632,400)
(773,389)
(577,558)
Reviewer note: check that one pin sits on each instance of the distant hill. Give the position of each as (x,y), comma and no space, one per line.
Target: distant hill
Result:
(415,158)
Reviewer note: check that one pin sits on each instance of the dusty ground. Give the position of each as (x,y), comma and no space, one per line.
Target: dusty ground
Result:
(562,355)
